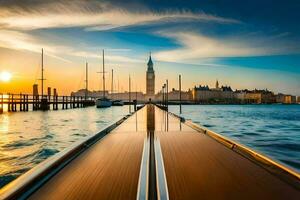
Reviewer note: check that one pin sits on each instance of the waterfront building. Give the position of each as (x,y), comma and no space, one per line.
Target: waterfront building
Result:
(174,95)
(150,80)
(95,94)
(298,99)
(255,96)
(124,96)
(217,85)
(35,90)
(218,94)
(286,99)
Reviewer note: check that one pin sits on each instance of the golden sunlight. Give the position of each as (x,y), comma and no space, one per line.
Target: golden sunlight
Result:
(5,76)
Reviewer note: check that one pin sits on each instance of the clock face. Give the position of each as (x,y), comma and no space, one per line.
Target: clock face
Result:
(150,76)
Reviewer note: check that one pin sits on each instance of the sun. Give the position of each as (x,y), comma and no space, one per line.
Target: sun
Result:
(5,76)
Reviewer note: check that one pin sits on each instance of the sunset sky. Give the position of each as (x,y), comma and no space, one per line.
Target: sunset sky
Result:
(244,44)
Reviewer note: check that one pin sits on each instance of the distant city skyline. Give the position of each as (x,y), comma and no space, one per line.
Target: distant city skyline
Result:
(202,41)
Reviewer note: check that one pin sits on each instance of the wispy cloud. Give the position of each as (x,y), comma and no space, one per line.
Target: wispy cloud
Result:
(23,41)
(108,57)
(18,19)
(195,46)
(93,15)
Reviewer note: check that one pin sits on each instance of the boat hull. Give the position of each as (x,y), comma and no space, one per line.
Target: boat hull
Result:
(117,103)
(103,103)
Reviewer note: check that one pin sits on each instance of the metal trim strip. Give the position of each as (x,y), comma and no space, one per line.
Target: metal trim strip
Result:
(277,169)
(29,182)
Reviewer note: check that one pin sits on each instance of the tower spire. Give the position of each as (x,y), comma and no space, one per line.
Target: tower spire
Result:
(217,84)
(150,63)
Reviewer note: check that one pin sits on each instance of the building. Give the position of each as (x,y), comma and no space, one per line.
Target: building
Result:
(286,99)
(218,94)
(298,99)
(150,80)
(35,90)
(255,96)
(217,85)
(95,94)
(174,95)
(124,96)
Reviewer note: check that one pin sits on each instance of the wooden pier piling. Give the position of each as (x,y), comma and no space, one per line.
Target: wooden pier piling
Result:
(25,102)
(1,104)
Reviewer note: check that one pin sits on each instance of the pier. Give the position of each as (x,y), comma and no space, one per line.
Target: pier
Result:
(154,154)
(27,102)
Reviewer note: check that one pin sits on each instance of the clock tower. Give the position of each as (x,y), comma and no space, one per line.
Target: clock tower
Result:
(150,80)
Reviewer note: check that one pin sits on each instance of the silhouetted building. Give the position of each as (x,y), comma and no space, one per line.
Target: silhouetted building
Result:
(82,93)
(217,84)
(35,90)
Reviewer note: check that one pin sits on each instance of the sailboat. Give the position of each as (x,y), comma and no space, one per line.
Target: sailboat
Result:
(103,102)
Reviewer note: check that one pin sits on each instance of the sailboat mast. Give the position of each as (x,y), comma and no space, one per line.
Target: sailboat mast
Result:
(42,79)
(118,89)
(86,80)
(129,87)
(112,81)
(103,76)
(135,92)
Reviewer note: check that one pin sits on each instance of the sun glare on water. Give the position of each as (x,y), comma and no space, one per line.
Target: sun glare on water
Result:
(5,76)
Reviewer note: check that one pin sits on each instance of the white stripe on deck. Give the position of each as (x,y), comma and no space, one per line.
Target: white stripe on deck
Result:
(142,193)
(161,181)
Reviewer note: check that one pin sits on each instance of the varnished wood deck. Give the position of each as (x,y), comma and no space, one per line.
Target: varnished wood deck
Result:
(108,170)
(199,167)
(196,166)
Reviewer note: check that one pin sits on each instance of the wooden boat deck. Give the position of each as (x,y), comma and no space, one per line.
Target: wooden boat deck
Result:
(195,165)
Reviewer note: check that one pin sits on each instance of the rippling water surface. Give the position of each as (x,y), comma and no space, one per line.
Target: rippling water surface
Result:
(273,130)
(28,138)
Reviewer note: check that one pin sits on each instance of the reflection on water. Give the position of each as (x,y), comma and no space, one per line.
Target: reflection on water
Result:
(3,106)
(28,138)
(150,118)
(273,130)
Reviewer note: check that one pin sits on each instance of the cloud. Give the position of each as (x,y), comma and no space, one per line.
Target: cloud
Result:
(108,57)
(19,18)
(93,15)
(195,46)
(22,41)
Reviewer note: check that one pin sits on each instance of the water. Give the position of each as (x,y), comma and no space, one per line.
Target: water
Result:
(273,130)
(28,138)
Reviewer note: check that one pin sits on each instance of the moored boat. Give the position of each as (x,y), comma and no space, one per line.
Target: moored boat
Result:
(103,102)
(118,103)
